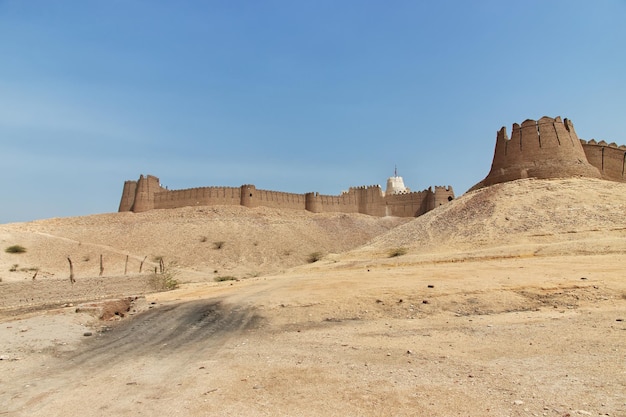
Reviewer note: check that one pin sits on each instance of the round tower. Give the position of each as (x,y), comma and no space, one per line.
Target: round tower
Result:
(547,148)
(144,194)
(248,196)
(395,184)
(312,203)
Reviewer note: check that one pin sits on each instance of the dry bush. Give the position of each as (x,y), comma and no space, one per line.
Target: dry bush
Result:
(226,278)
(314,257)
(397,252)
(15,249)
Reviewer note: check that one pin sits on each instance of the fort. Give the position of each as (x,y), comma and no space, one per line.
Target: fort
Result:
(550,148)
(148,194)
(544,148)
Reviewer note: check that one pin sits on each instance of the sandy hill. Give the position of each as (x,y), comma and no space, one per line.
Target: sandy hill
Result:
(525,217)
(200,242)
(509,301)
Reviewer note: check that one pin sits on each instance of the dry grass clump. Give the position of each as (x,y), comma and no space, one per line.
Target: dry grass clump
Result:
(226,278)
(15,249)
(314,257)
(397,252)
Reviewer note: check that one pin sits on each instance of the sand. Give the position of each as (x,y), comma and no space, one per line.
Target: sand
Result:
(509,301)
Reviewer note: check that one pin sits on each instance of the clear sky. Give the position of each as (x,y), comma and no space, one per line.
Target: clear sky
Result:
(289,95)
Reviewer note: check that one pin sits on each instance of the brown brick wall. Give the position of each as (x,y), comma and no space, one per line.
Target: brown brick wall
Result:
(608,158)
(204,196)
(547,148)
(147,194)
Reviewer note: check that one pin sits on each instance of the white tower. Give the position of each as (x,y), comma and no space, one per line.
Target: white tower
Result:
(395,184)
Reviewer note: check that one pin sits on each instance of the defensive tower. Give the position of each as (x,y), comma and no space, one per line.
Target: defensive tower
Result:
(547,148)
(395,184)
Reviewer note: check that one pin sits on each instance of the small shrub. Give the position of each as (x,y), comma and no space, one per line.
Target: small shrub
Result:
(15,249)
(226,278)
(165,281)
(203,239)
(86,258)
(314,257)
(397,252)
(14,268)
(219,244)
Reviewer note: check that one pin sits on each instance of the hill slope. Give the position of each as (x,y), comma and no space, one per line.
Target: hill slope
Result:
(519,218)
(200,242)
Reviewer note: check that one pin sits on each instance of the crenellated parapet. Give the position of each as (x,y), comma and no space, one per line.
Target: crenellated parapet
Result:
(139,195)
(608,158)
(546,148)
(550,148)
(147,194)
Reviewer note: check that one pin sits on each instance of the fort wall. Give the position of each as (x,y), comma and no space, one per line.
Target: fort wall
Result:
(147,193)
(610,159)
(278,199)
(204,196)
(145,190)
(128,196)
(547,148)
(550,148)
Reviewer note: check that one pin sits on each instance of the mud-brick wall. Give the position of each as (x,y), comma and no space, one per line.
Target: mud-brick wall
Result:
(147,194)
(128,196)
(278,199)
(547,148)
(369,200)
(147,188)
(319,203)
(408,204)
(202,196)
(441,196)
(608,158)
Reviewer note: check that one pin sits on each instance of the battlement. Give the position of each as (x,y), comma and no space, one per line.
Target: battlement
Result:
(609,159)
(147,194)
(550,148)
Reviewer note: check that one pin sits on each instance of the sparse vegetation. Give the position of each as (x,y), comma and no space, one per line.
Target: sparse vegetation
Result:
(14,268)
(226,278)
(397,252)
(203,239)
(15,249)
(30,269)
(86,258)
(163,281)
(314,257)
(219,244)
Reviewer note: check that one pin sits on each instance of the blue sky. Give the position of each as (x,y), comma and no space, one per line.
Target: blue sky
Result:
(290,95)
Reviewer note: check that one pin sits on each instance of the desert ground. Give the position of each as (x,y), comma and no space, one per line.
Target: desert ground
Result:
(508,301)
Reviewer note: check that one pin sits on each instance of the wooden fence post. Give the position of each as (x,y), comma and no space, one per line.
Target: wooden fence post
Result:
(72,280)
